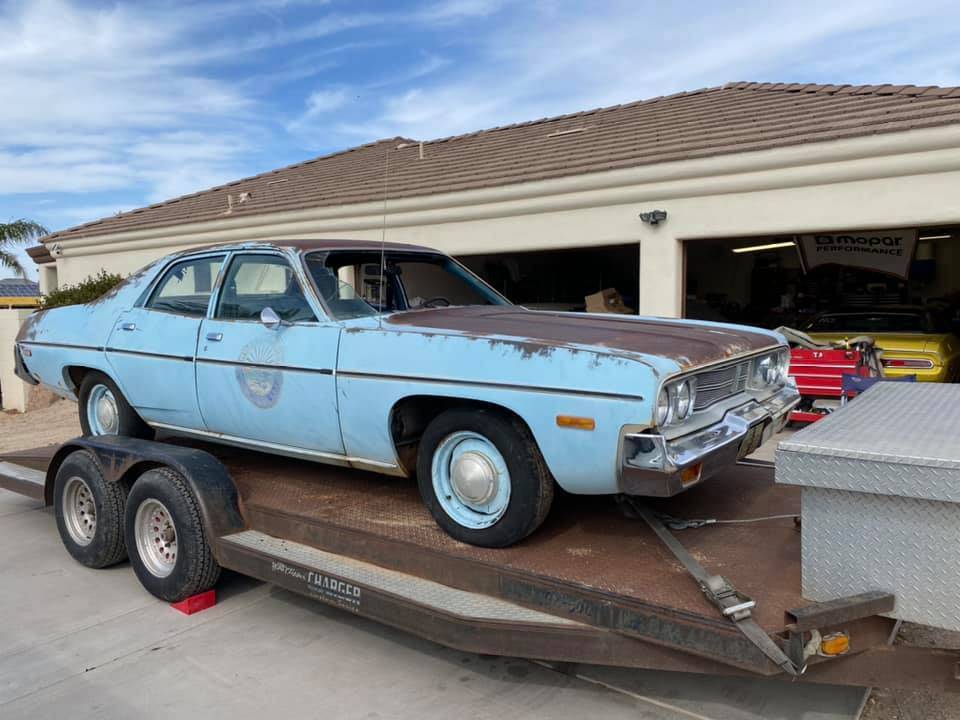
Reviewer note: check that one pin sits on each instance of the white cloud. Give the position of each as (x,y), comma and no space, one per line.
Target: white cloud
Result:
(91,102)
(548,58)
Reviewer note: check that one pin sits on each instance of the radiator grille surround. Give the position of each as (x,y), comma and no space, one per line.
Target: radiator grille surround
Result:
(720,383)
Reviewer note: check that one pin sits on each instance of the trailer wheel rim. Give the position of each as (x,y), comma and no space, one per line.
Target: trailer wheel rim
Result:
(156,538)
(103,416)
(79,511)
(471,480)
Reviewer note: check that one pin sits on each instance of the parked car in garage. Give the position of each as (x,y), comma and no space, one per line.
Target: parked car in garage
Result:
(914,340)
(398,359)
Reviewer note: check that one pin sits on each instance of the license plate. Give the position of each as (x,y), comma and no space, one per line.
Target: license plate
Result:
(751,441)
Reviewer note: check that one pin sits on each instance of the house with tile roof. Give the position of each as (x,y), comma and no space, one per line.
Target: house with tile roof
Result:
(19,293)
(695,204)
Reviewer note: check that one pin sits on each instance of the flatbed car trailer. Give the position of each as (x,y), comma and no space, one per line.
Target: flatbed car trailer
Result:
(592,586)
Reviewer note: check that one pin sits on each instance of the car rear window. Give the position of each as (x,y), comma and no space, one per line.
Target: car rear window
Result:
(185,288)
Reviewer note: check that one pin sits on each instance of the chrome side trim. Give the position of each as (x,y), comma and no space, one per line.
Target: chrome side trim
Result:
(98,348)
(289,450)
(144,353)
(265,366)
(480,383)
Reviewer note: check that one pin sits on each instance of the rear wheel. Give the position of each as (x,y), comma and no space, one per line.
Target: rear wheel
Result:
(482,477)
(89,512)
(105,411)
(166,538)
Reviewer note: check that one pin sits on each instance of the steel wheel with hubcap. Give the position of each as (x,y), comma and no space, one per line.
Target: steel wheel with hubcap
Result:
(103,415)
(471,479)
(482,476)
(156,538)
(105,411)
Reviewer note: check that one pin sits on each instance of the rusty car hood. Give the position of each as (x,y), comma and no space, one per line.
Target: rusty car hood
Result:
(688,343)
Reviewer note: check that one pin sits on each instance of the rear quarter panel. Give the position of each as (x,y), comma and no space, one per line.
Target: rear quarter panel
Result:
(378,368)
(75,335)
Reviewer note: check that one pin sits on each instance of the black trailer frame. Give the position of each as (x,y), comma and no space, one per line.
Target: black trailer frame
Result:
(260,516)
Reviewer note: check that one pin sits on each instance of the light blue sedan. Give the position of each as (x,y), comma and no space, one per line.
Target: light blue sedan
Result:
(398,359)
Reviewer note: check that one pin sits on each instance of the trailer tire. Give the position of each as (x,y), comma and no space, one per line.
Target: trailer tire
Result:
(166,537)
(98,388)
(89,512)
(464,455)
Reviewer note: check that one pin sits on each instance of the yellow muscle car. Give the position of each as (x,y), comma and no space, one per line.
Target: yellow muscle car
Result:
(914,340)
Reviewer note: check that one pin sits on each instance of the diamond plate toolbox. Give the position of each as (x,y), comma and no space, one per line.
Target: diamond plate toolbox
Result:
(881,499)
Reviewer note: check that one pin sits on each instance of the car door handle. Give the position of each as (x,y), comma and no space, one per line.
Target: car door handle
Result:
(214,337)
(128,326)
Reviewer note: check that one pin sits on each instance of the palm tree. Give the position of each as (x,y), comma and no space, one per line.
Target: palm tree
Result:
(18,232)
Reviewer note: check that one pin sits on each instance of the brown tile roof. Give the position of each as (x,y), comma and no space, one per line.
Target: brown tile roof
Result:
(736,117)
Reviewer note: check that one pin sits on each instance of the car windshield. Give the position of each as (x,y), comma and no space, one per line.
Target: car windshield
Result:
(349,282)
(873,322)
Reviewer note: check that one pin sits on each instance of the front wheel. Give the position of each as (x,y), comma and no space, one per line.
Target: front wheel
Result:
(165,536)
(482,477)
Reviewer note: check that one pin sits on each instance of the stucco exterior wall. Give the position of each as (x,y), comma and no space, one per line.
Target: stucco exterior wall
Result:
(13,390)
(896,180)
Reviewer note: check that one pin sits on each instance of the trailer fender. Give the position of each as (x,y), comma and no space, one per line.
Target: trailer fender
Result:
(125,458)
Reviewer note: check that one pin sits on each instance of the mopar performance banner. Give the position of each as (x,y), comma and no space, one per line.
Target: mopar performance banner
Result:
(886,251)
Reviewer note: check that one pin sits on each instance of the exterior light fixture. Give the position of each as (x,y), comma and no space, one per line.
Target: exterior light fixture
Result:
(654,217)
(768,246)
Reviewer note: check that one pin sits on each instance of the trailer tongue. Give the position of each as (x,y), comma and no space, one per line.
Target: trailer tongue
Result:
(593,586)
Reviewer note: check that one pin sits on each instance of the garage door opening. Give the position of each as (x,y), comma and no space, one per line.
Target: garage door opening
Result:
(765,282)
(837,286)
(561,279)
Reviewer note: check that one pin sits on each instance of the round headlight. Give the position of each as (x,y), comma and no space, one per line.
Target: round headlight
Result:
(683,403)
(663,407)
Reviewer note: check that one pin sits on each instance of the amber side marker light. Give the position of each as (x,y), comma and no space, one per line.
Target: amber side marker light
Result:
(690,475)
(577,423)
(835,644)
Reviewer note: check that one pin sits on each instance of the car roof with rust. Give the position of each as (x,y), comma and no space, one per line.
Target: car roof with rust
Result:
(311,245)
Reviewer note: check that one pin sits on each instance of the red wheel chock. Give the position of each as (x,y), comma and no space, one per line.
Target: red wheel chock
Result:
(196,603)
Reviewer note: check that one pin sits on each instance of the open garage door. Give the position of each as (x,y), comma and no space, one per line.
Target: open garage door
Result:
(900,286)
(561,279)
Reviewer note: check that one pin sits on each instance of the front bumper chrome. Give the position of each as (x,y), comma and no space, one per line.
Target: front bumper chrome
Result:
(653,466)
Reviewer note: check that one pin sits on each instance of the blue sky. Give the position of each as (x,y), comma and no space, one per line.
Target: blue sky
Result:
(108,106)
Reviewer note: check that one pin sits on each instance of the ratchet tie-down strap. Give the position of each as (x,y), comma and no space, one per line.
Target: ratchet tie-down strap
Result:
(734,605)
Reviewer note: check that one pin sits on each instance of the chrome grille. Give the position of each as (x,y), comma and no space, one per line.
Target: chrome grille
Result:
(716,385)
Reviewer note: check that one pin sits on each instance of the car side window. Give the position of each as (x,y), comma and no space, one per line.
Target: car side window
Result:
(185,288)
(255,282)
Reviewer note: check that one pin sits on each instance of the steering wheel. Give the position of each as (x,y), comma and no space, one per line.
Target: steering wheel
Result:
(438,301)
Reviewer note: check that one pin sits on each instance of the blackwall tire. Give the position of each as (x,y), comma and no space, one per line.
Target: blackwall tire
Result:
(465,457)
(97,391)
(166,537)
(89,512)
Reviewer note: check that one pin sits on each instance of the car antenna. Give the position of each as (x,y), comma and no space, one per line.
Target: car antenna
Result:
(383,238)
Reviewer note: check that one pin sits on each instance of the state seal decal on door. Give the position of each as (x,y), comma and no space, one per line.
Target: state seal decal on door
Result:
(260,384)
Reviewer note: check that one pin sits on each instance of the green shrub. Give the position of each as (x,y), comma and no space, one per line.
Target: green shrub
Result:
(82,292)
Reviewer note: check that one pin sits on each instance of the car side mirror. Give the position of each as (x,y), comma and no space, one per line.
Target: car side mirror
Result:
(270,319)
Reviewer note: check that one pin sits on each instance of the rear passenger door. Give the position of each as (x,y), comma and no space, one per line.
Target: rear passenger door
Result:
(272,387)
(152,346)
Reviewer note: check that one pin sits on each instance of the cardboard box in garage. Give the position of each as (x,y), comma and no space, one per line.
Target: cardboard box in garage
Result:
(607,301)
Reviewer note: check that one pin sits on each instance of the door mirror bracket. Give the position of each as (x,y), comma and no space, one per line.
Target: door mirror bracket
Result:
(270,319)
